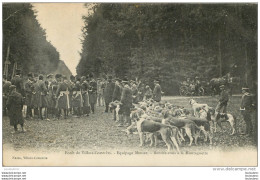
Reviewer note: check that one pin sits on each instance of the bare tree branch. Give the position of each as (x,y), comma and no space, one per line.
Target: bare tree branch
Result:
(12,14)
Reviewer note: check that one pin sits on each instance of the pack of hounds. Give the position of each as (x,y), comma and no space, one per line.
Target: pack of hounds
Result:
(162,120)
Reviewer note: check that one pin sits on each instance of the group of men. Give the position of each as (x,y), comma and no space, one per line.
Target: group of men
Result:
(193,85)
(129,92)
(56,96)
(247,107)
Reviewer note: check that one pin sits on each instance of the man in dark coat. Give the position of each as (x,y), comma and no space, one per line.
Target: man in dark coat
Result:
(117,93)
(71,84)
(117,90)
(51,95)
(28,87)
(15,106)
(77,99)
(62,95)
(6,85)
(141,91)
(247,107)
(100,93)
(148,92)
(43,103)
(135,92)
(223,100)
(157,93)
(126,103)
(108,92)
(92,93)
(85,95)
(18,82)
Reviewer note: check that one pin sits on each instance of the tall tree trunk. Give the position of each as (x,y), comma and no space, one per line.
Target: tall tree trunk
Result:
(7,62)
(219,55)
(246,66)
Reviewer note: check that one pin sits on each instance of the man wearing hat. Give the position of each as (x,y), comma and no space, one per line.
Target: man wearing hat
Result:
(108,92)
(126,100)
(15,106)
(247,107)
(223,100)
(157,93)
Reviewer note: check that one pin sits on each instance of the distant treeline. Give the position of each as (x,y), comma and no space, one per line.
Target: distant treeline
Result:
(170,42)
(26,41)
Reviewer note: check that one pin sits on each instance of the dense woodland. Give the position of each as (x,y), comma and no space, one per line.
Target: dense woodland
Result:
(26,41)
(170,42)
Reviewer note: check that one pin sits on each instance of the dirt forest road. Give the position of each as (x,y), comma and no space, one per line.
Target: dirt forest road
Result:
(99,132)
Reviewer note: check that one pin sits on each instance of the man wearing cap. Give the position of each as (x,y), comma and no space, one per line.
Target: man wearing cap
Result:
(100,101)
(18,82)
(148,92)
(6,85)
(134,92)
(77,99)
(85,94)
(43,103)
(141,91)
(197,85)
(108,92)
(28,87)
(157,93)
(51,95)
(117,90)
(117,93)
(223,100)
(92,92)
(126,100)
(247,107)
(15,106)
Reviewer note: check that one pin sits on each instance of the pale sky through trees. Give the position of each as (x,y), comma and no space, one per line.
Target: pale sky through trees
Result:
(63,23)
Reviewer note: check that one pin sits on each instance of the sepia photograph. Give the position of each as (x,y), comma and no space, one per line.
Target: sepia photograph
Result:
(129,84)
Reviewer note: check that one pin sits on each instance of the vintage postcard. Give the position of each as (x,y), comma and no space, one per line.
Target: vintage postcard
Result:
(129,84)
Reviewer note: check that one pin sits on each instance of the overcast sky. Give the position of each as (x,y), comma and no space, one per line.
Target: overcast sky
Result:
(63,23)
